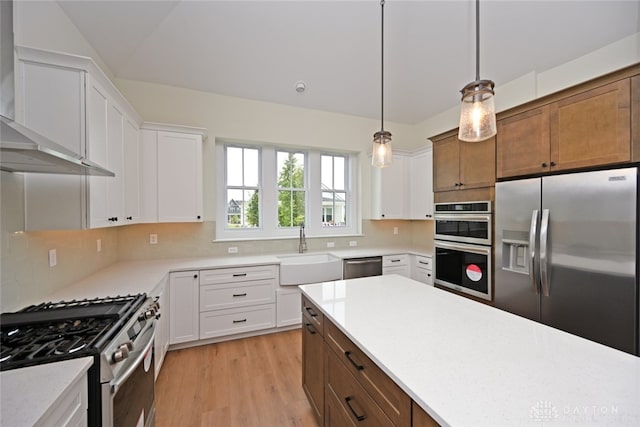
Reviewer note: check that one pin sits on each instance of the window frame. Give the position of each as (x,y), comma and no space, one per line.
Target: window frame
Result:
(268,227)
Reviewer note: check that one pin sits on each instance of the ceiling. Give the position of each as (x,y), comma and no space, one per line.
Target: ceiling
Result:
(260,49)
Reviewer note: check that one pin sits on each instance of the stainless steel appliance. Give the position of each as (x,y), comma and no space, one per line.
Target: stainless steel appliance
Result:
(566,253)
(362,267)
(465,222)
(117,332)
(463,247)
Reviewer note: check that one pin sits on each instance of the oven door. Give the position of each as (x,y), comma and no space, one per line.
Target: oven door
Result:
(467,228)
(129,399)
(465,268)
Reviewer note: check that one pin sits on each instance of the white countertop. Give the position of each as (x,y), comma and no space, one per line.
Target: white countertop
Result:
(26,394)
(132,277)
(469,364)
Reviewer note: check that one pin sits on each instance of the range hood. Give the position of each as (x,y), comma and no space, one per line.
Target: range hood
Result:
(21,149)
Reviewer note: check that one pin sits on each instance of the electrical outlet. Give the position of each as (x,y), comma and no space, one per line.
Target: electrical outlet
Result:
(153,239)
(99,245)
(331,244)
(232,249)
(53,258)
(353,243)
(395,230)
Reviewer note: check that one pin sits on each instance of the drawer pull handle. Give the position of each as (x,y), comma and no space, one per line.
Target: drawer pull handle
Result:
(310,327)
(353,362)
(311,312)
(424,262)
(395,260)
(240,321)
(348,401)
(240,295)
(239,274)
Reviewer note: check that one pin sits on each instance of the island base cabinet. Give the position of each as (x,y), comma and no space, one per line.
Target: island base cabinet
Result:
(421,418)
(357,403)
(313,367)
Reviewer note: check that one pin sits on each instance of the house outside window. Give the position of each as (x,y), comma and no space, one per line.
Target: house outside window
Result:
(268,192)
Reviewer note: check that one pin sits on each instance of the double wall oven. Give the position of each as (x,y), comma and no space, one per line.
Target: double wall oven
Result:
(118,332)
(463,247)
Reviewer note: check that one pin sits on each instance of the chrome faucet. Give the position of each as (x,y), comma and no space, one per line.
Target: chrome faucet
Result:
(302,246)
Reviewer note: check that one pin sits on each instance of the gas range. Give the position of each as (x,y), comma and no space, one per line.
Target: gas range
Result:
(118,332)
(56,331)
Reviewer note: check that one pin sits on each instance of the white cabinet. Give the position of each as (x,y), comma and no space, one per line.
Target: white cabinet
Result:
(131,172)
(421,185)
(288,301)
(422,269)
(396,264)
(389,186)
(236,300)
(68,99)
(171,173)
(161,343)
(184,316)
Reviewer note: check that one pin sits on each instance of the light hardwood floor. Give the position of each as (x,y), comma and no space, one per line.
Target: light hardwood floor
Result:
(242,383)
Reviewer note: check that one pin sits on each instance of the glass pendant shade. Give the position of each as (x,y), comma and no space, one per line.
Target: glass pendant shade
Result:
(381,155)
(478,112)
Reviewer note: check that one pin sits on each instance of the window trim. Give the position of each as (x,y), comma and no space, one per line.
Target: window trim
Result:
(268,228)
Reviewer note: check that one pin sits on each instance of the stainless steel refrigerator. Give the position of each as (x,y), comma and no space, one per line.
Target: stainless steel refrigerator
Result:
(566,253)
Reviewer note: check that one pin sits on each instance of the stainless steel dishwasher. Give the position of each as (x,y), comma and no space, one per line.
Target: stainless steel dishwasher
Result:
(362,267)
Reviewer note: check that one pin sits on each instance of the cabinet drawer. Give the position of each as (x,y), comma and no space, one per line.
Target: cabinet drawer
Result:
(237,274)
(395,260)
(313,314)
(395,403)
(402,270)
(229,295)
(360,408)
(235,320)
(421,418)
(424,262)
(423,275)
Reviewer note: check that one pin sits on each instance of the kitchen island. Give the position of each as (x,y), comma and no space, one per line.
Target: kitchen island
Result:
(468,364)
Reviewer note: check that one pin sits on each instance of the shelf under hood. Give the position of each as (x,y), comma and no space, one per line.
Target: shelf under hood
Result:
(23,150)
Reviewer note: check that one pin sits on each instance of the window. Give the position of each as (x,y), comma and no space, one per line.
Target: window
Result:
(242,168)
(291,189)
(268,192)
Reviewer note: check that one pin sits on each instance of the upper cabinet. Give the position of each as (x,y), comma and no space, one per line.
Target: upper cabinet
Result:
(69,99)
(460,165)
(404,190)
(171,173)
(389,187)
(421,185)
(579,129)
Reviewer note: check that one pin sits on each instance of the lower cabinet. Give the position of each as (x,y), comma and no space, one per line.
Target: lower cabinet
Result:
(422,269)
(288,306)
(344,386)
(161,343)
(313,350)
(184,316)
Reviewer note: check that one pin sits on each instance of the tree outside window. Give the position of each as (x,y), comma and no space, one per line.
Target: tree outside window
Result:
(291,189)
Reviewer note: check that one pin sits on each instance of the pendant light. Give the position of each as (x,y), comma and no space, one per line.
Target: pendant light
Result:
(381,140)
(478,111)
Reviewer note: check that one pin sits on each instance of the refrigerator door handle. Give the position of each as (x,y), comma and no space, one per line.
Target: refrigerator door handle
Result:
(544,256)
(533,231)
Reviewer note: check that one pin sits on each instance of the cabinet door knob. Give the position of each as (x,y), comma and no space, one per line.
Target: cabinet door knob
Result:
(129,218)
(544,165)
(461,184)
(382,215)
(198,217)
(553,163)
(195,276)
(457,184)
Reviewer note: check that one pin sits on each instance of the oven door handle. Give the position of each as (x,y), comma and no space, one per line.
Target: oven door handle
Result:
(115,385)
(462,217)
(481,250)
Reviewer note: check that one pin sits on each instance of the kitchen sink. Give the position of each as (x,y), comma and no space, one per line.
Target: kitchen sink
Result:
(309,268)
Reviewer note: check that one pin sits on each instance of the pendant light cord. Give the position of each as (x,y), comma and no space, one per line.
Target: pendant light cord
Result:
(477,40)
(382,69)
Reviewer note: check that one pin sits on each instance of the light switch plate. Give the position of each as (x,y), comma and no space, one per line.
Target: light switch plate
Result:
(99,245)
(153,239)
(331,244)
(353,243)
(232,249)
(53,258)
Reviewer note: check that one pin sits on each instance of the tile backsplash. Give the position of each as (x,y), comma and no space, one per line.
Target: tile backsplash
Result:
(27,277)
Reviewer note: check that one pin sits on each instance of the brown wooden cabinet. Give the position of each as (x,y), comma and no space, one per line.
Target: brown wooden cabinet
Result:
(459,165)
(344,386)
(313,353)
(580,130)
